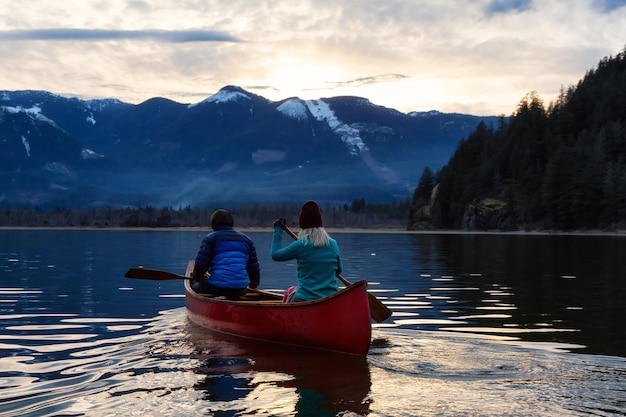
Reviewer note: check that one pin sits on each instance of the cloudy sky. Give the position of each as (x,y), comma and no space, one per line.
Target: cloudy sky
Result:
(471,56)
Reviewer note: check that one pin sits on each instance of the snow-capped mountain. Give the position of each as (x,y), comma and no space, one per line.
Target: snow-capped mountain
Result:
(231,148)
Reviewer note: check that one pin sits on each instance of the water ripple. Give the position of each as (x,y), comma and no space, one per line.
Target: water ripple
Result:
(58,369)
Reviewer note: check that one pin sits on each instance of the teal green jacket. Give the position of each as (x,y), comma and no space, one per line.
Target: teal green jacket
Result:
(317,267)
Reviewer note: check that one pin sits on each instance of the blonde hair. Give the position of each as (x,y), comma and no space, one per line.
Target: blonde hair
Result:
(315,235)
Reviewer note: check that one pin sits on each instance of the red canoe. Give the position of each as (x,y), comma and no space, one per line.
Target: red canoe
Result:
(340,322)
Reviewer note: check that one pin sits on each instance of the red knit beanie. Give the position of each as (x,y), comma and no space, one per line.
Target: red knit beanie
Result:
(310,215)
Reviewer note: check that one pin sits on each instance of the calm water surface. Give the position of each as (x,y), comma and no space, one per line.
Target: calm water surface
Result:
(483,325)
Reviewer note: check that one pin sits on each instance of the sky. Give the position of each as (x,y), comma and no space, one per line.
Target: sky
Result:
(476,57)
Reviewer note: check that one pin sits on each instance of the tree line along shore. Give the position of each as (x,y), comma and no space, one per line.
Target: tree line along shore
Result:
(358,214)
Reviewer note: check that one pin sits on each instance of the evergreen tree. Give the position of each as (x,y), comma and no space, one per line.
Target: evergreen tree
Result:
(422,194)
(563,168)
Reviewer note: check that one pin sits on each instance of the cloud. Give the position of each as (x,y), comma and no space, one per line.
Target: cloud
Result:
(176,36)
(451,55)
(358,82)
(260,88)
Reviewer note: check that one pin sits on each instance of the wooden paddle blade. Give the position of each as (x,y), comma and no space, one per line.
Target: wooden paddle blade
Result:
(378,310)
(153,274)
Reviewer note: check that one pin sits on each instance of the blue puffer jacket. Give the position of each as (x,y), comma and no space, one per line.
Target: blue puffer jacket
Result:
(230,257)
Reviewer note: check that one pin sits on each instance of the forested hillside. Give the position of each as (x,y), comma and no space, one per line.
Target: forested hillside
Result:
(562,167)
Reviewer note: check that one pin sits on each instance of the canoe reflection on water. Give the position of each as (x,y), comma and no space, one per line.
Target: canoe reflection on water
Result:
(256,377)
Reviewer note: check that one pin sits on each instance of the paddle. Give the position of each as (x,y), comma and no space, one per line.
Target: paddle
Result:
(154,274)
(378,310)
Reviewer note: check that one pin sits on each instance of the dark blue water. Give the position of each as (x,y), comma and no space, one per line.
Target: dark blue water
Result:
(489,325)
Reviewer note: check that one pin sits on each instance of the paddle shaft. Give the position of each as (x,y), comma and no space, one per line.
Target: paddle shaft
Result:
(378,310)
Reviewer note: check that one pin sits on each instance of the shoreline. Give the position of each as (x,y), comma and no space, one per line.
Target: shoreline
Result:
(330,230)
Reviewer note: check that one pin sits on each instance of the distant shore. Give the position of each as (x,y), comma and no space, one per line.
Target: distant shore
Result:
(331,230)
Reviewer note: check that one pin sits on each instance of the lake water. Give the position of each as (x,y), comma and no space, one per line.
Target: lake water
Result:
(483,325)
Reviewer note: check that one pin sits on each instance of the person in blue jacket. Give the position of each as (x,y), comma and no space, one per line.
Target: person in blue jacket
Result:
(229,257)
(317,255)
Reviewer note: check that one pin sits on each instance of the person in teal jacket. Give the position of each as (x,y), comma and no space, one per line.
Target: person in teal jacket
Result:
(317,255)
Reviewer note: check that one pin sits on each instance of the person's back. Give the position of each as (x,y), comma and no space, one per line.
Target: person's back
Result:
(319,260)
(229,257)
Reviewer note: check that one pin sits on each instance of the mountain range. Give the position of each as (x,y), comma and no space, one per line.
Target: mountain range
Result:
(232,148)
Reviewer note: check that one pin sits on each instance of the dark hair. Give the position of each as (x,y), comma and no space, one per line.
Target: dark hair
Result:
(221,217)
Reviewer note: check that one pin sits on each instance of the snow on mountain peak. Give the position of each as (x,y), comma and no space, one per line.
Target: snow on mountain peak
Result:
(293,108)
(100,104)
(349,135)
(34,111)
(223,96)
(425,113)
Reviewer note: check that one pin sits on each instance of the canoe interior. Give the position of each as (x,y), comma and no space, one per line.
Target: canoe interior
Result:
(251,296)
(261,297)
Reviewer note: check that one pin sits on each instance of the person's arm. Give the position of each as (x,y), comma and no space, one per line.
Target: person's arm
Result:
(253,268)
(282,254)
(204,258)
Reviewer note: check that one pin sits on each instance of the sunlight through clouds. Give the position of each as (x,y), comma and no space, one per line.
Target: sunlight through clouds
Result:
(478,57)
